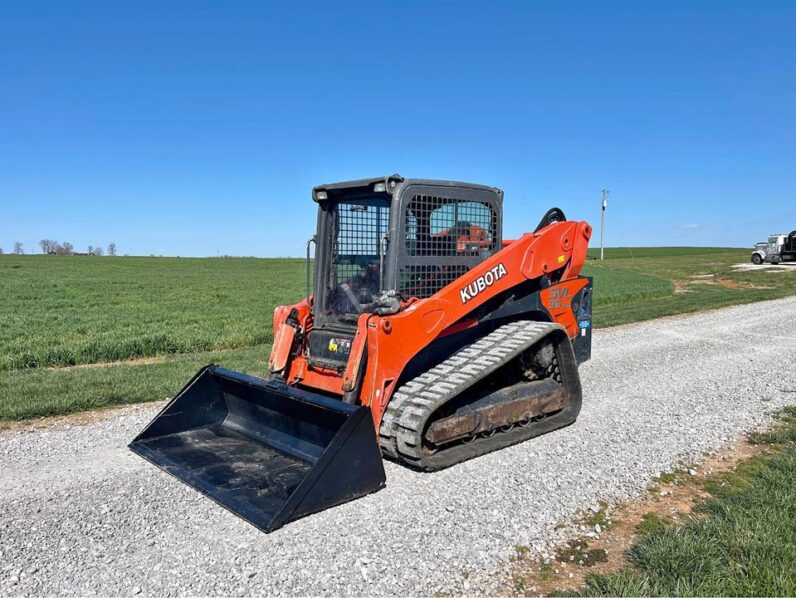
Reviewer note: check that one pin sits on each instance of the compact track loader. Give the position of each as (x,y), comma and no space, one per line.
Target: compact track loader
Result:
(428,339)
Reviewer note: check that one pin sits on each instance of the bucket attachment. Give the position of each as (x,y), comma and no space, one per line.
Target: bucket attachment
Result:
(267,452)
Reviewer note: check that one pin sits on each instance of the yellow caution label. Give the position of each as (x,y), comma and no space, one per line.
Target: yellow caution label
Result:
(562,259)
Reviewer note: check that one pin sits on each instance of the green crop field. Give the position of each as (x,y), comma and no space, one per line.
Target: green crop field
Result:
(634,284)
(63,310)
(87,332)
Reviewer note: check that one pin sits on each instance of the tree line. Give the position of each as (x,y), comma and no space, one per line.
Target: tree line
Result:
(50,247)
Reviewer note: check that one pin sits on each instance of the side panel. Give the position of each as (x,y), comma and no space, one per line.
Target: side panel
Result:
(582,306)
(560,301)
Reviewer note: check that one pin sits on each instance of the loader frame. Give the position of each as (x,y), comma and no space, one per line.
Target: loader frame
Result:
(382,346)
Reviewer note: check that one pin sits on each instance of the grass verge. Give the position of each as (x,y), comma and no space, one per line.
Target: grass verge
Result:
(37,392)
(730,532)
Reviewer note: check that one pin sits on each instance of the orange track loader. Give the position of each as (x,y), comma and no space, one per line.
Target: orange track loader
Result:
(428,339)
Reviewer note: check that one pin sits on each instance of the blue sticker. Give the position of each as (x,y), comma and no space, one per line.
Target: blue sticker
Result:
(585,323)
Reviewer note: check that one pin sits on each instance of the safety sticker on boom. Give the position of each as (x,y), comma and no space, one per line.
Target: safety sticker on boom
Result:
(482,282)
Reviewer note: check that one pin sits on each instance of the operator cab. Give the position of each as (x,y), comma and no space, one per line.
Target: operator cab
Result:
(385,240)
(407,237)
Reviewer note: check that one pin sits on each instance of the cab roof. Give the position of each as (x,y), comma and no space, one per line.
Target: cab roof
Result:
(391,184)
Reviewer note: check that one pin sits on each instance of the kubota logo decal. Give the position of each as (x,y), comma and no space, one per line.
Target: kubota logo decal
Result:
(482,282)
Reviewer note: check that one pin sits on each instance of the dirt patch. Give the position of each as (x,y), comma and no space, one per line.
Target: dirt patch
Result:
(669,502)
(102,364)
(785,267)
(737,284)
(682,286)
(732,284)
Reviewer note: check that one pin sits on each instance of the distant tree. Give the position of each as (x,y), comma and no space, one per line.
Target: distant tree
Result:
(18,249)
(65,248)
(112,249)
(98,251)
(91,250)
(1,251)
(47,245)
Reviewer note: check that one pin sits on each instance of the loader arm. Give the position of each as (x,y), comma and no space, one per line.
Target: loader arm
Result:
(392,341)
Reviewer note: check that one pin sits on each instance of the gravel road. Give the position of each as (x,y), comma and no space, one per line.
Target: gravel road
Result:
(80,514)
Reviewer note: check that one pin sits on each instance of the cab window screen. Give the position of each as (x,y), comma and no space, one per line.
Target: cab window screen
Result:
(441,226)
(359,227)
(444,227)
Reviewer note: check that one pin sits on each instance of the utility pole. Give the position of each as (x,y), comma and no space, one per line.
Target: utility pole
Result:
(602,225)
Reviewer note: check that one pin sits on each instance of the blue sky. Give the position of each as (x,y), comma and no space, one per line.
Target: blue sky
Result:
(199,128)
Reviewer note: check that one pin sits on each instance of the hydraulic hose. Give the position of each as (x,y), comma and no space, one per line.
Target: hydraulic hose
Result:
(552,215)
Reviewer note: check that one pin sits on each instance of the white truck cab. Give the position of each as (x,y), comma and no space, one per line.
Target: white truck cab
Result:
(779,248)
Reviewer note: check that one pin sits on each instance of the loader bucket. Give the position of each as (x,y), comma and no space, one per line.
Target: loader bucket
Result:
(267,452)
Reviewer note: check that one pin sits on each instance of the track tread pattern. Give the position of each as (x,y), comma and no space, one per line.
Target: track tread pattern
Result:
(412,404)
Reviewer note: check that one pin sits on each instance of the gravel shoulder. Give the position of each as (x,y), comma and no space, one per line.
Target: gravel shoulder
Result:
(80,514)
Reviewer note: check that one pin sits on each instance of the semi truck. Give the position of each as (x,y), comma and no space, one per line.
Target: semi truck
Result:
(780,247)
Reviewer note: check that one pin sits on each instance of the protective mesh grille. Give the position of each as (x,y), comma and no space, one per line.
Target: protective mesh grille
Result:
(422,281)
(442,227)
(360,227)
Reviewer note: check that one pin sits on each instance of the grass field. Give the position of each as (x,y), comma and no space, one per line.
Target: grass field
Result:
(62,310)
(86,332)
(637,284)
(742,541)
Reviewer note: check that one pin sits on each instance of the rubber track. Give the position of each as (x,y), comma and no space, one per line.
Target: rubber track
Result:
(414,402)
